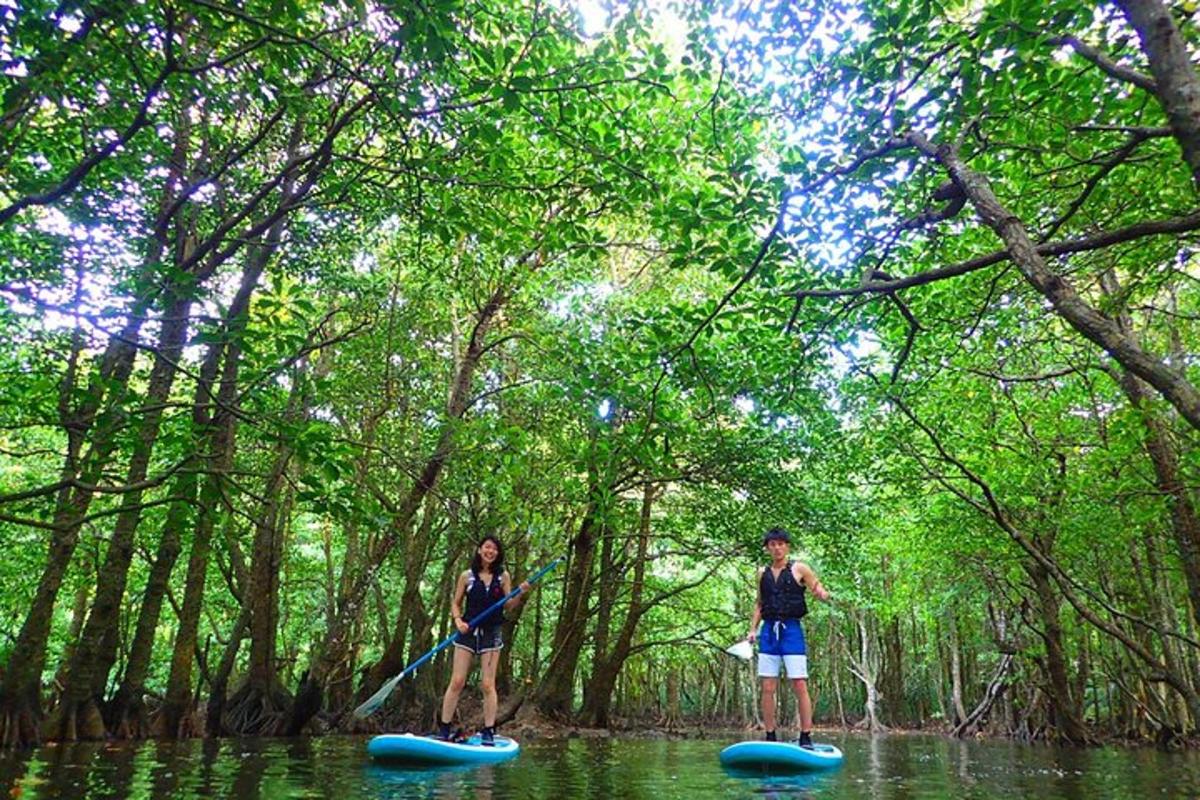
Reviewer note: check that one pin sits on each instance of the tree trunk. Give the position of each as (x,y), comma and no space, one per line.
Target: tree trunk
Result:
(598,688)
(411,615)
(126,714)
(1177,88)
(866,668)
(555,694)
(78,715)
(175,720)
(673,711)
(994,691)
(956,681)
(257,708)
(535,670)
(1062,705)
(893,673)
(1185,524)
(835,671)
(597,699)
(263,594)
(214,718)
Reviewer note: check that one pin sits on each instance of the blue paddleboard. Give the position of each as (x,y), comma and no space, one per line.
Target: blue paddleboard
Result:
(412,749)
(781,755)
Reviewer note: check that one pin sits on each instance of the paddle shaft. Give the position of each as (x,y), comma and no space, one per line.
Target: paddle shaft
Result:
(376,700)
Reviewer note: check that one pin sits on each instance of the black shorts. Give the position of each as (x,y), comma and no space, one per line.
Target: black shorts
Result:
(481,640)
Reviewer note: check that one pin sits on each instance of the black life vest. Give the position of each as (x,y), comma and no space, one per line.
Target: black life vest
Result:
(781,598)
(480,596)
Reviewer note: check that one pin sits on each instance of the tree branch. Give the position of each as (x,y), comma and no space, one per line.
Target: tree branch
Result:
(1139,230)
(1107,64)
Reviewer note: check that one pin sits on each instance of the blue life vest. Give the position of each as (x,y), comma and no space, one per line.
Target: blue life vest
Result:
(782,597)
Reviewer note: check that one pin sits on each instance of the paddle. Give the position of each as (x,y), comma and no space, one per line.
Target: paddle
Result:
(376,700)
(741,649)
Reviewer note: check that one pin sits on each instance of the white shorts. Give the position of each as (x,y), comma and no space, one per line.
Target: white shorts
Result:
(796,666)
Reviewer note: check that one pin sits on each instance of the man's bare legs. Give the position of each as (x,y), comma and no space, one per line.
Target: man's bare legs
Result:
(770,688)
(803,702)
(769,685)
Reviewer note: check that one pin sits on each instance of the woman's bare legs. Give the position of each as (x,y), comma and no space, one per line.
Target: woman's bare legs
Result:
(487,682)
(458,679)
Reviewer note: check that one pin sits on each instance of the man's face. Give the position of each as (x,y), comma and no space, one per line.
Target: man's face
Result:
(777,549)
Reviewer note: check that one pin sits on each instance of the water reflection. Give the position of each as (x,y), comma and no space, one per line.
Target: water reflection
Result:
(899,767)
(771,786)
(388,782)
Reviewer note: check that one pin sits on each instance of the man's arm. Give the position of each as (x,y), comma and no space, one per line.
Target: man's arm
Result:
(811,581)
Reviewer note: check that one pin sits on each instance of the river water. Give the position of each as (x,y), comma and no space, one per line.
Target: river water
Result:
(337,768)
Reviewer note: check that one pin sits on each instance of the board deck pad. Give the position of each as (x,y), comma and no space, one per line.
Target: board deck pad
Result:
(781,756)
(412,749)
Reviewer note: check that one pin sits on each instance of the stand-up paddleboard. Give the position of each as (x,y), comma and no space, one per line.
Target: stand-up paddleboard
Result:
(412,749)
(781,756)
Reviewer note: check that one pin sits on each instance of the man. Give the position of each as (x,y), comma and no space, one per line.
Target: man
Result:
(780,606)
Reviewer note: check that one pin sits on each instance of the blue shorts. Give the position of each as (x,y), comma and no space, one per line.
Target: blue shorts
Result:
(481,640)
(781,643)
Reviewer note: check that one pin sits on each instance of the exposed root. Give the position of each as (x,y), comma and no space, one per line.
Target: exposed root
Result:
(127,716)
(1170,740)
(305,707)
(177,721)
(72,721)
(254,712)
(20,723)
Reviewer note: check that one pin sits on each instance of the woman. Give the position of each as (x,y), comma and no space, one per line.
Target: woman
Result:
(482,585)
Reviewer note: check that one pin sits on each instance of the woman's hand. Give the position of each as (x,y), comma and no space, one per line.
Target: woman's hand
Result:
(525,587)
(462,626)
(751,636)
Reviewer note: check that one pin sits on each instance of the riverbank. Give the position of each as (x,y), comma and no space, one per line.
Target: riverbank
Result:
(531,725)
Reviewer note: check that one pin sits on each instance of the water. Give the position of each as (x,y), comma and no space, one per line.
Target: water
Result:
(336,768)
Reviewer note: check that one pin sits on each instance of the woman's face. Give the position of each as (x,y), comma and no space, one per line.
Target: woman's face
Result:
(488,552)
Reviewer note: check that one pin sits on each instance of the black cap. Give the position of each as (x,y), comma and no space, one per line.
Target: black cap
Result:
(776,534)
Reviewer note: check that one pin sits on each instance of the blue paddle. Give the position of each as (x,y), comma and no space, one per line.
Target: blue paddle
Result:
(376,700)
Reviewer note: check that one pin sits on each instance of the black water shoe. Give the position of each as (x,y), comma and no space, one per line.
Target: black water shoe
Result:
(487,736)
(805,740)
(771,736)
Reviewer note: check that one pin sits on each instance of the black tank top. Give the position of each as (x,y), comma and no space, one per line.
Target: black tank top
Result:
(480,596)
(782,597)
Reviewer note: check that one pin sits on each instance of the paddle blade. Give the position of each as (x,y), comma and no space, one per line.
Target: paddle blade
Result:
(376,700)
(741,650)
